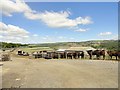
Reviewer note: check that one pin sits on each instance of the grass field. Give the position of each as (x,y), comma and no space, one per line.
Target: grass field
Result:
(29,50)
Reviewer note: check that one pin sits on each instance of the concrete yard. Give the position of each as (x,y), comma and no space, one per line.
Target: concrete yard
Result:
(41,73)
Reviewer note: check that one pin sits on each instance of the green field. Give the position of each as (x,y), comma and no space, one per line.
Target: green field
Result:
(97,44)
(29,50)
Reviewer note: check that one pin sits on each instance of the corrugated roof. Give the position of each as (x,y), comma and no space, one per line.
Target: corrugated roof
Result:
(61,50)
(81,48)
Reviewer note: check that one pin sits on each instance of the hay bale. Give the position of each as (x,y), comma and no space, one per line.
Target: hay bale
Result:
(5,57)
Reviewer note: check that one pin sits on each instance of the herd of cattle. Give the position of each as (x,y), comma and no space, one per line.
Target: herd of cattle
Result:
(72,54)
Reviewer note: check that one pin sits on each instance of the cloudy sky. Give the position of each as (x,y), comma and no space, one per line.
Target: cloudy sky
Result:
(46,22)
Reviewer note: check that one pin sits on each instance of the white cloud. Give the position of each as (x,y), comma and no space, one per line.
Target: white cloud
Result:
(9,6)
(108,36)
(105,33)
(81,30)
(52,19)
(58,19)
(12,33)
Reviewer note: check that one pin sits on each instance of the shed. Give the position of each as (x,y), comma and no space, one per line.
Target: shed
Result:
(61,50)
(80,48)
(84,49)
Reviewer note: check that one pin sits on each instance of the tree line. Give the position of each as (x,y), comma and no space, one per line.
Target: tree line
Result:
(11,45)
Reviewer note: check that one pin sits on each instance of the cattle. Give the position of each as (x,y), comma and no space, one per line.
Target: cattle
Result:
(55,55)
(114,53)
(20,52)
(75,55)
(37,54)
(81,53)
(23,53)
(98,53)
(69,55)
(49,55)
(44,54)
(78,54)
(62,54)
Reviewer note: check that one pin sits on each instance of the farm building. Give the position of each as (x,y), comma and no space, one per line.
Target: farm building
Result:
(76,49)
(61,50)
(80,48)
(84,49)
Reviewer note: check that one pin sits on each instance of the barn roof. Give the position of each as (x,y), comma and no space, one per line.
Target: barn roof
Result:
(61,50)
(80,48)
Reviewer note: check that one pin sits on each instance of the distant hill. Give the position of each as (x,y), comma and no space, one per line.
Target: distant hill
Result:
(98,44)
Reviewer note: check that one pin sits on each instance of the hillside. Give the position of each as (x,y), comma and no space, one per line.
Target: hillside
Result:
(98,44)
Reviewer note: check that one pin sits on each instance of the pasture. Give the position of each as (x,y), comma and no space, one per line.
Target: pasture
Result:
(33,49)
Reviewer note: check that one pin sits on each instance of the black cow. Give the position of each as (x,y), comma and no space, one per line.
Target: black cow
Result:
(69,55)
(78,54)
(20,52)
(62,54)
(98,53)
(75,55)
(81,53)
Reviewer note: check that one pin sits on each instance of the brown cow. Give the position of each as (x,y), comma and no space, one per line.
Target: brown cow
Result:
(55,55)
(75,55)
(98,53)
(114,53)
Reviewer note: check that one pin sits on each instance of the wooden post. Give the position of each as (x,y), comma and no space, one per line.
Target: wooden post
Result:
(66,54)
(58,55)
(42,54)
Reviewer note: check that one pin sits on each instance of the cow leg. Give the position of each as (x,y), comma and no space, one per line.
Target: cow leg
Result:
(82,56)
(77,56)
(103,57)
(35,56)
(111,57)
(97,57)
(116,57)
(90,57)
